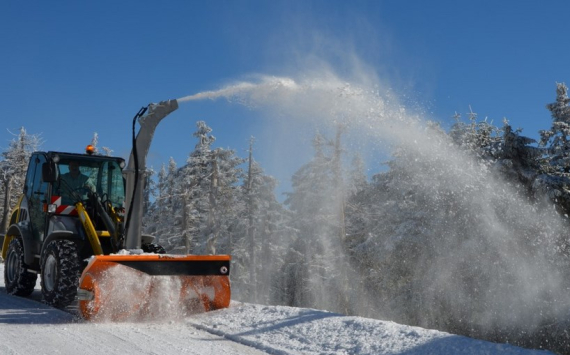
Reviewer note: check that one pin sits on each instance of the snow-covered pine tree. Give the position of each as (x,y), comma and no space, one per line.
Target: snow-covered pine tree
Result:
(518,162)
(357,188)
(555,180)
(260,236)
(208,194)
(225,200)
(311,275)
(160,217)
(195,182)
(152,215)
(171,209)
(148,193)
(13,171)
(95,144)
(504,150)
(477,137)
(357,219)
(391,235)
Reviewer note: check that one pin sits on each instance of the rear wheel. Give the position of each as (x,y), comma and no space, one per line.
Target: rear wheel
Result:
(61,269)
(17,279)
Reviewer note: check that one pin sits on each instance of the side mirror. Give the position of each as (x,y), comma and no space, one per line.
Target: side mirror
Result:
(49,172)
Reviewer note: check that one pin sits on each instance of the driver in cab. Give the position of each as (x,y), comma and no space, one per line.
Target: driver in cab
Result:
(73,180)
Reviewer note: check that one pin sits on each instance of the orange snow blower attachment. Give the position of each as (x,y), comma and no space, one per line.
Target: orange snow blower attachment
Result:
(120,287)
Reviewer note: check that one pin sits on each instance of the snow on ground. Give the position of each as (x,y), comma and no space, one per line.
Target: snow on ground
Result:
(286,330)
(30,327)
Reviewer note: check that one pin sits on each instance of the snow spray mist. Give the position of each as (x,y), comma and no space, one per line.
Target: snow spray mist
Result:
(479,270)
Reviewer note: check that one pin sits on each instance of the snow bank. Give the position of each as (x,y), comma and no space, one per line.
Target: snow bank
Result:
(286,330)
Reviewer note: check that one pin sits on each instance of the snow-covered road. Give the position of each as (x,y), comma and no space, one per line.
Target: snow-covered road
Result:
(30,327)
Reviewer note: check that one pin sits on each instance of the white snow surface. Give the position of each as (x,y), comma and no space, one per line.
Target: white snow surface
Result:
(29,327)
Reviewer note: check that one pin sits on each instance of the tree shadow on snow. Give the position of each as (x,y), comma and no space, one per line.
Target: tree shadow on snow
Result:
(269,326)
(19,310)
(302,317)
(457,344)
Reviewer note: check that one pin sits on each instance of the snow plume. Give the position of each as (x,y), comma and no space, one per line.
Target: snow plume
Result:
(248,93)
(472,256)
(489,259)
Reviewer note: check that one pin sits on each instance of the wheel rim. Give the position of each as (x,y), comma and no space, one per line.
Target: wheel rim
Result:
(12,266)
(50,272)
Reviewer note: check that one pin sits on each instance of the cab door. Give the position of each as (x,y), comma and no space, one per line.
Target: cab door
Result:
(36,193)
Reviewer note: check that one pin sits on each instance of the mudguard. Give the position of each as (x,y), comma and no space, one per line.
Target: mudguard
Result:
(30,247)
(61,234)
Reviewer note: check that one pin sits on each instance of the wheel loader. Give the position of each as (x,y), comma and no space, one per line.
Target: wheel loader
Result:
(78,227)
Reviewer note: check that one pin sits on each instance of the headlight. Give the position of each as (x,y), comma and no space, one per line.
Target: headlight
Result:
(52,208)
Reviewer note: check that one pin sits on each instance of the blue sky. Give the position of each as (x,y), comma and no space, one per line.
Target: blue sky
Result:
(72,68)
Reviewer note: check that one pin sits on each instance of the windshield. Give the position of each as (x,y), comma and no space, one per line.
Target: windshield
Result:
(102,176)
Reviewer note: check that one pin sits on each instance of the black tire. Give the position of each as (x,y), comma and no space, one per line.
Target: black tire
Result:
(17,279)
(61,269)
(153,248)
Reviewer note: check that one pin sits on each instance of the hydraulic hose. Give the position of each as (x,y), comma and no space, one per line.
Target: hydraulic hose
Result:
(136,161)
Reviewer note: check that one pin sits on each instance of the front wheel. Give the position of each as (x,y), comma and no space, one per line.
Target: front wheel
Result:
(17,279)
(61,269)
